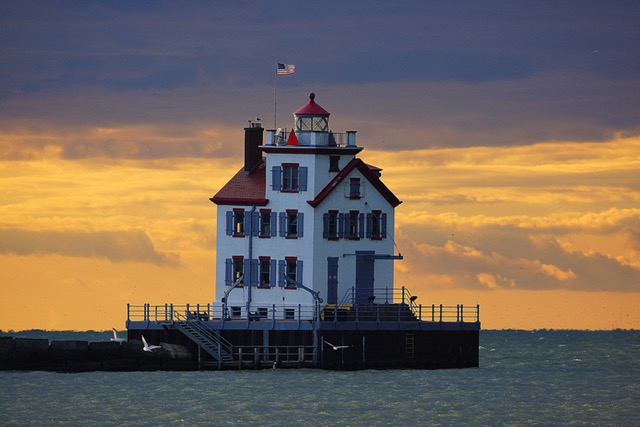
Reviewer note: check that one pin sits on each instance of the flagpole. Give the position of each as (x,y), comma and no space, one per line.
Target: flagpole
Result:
(275,81)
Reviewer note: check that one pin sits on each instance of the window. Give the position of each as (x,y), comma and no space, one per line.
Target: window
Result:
(352,228)
(354,225)
(238,270)
(289,272)
(317,123)
(289,314)
(267,223)
(290,177)
(234,271)
(376,225)
(330,225)
(354,188)
(267,271)
(291,269)
(334,164)
(236,222)
(236,311)
(291,224)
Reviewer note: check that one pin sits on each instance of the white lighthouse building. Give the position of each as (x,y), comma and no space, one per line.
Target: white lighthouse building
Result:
(305,222)
(304,268)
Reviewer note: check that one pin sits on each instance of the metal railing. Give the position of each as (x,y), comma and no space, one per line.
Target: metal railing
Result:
(257,355)
(220,312)
(399,308)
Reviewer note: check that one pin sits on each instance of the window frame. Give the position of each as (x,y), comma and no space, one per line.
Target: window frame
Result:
(334,163)
(355,188)
(237,270)
(267,224)
(239,218)
(290,177)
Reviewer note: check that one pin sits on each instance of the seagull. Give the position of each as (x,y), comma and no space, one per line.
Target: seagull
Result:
(115,336)
(335,347)
(148,347)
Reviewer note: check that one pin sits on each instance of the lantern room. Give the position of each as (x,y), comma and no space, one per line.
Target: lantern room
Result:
(311,117)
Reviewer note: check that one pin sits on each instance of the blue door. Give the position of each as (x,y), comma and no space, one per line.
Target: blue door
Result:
(364,276)
(332,280)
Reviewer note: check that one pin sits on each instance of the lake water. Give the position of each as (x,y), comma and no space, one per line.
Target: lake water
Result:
(525,378)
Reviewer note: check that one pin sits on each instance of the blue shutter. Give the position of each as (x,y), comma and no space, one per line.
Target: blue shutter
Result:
(255,223)
(274,224)
(281,272)
(361,225)
(283,224)
(302,178)
(325,225)
(229,223)
(228,271)
(276,178)
(369,224)
(247,223)
(255,267)
(272,273)
(383,225)
(299,271)
(341,226)
(246,271)
(300,223)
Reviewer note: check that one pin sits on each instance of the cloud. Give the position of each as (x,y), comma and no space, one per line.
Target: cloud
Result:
(116,246)
(32,140)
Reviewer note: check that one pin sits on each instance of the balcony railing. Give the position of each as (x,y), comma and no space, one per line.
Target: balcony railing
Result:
(386,311)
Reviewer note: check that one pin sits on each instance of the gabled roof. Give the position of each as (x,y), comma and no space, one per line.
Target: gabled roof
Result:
(366,171)
(244,190)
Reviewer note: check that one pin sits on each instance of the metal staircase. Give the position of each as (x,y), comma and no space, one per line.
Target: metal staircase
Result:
(219,348)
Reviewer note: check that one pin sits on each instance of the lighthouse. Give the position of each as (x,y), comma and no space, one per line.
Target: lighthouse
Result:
(305,256)
(304,221)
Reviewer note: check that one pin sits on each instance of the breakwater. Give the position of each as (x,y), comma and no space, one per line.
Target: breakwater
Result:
(79,356)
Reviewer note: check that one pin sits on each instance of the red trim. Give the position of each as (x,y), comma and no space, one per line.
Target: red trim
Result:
(291,258)
(369,176)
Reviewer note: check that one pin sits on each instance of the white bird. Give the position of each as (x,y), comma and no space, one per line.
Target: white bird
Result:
(115,336)
(335,347)
(148,347)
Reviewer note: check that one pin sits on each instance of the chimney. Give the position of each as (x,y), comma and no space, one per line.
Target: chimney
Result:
(252,143)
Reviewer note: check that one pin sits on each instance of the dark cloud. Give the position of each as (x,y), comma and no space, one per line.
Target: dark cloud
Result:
(116,246)
(406,74)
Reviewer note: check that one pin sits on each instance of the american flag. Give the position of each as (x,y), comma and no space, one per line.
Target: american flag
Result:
(285,69)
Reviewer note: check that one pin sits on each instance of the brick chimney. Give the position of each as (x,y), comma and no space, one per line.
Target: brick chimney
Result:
(252,142)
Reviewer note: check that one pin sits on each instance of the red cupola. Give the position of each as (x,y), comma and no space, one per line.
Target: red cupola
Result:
(311,117)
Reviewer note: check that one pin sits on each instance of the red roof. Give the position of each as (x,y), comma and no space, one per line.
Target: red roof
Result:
(366,171)
(244,190)
(311,108)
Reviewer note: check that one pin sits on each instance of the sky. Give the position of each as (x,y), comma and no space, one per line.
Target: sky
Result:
(509,129)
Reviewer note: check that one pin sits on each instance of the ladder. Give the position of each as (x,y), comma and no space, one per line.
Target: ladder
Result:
(409,341)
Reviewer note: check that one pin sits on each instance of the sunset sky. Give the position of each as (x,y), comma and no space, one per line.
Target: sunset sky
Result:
(509,129)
